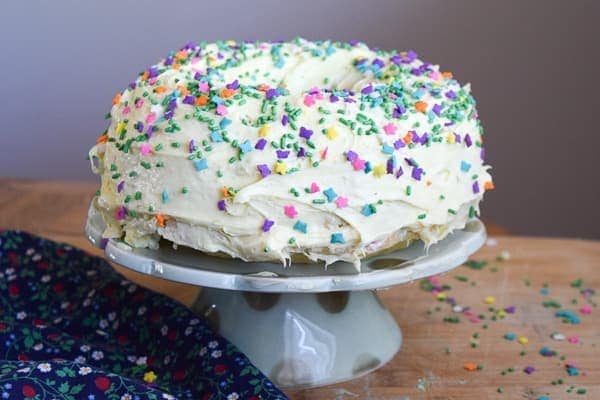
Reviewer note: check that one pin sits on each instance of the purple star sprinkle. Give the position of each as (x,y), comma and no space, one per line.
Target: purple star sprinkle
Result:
(233,85)
(437,109)
(283,153)
(188,100)
(529,370)
(415,137)
(351,156)
(271,93)
(396,59)
(264,170)
(169,61)
(197,76)
(301,152)
(153,72)
(139,126)
(416,173)
(132,85)
(367,89)
(398,144)
(451,95)
(260,145)
(424,138)
(475,187)
(305,133)
(333,98)
(378,62)
(221,205)
(267,225)
(510,309)
(457,138)
(398,111)
(169,114)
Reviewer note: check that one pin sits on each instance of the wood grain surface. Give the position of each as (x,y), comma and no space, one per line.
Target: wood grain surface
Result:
(430,364)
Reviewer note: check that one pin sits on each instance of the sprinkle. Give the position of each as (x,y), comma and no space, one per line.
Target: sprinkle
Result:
(267,225)
(222,205)
(468,141)
(529,370)
(221,110)
(558,336)
(587,309)
(368,209)
(358,164)
(341,202)
(290,211)
(389,129)
(216,137)
(475,187)
(546,352)
(510,336)
(573,339)
(470,367)
(120,186)
(165,196)
(337,238)
(387,149)
(305,133)
(260,145)
(568,316)
(120,213)
(264,130)
(246,146)
(283,153)
(465,166)
(330,194)
(351,155)
(201,165)
(523,340)
(225,122)
(300,226)
(264,170)
(314,188)
(149,377)
(203,87)
(489,185)
(416,173)
(421,106)
(332,133)
(309,100)
(280,168)
(271,93)
(489,300)
(379,170)
(160,220)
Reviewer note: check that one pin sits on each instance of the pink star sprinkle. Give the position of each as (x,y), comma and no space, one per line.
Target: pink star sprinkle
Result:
(150,118)
(341,202)
(126,110)
(290,211)
(587,309)
(203,87)
(221,110)
(573,339)
(309,100)
(358,164)
(139,103)
(145,149)
(314,188)
(389,129)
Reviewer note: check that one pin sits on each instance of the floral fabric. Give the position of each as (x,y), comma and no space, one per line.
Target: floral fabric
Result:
(73,328)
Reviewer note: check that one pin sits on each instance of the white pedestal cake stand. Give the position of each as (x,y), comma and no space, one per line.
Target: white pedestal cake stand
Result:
(303,326)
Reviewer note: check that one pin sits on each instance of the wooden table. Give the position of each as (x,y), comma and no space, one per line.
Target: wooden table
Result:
(436,349)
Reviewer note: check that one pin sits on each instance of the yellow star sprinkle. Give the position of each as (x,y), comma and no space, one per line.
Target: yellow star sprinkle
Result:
(264,130)
(120,127)
(379,170)
(332,132)
(280,168)
(523,340)
(450,138)
(150,377)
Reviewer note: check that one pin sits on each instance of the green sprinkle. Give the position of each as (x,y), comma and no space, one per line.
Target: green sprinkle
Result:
(138,195)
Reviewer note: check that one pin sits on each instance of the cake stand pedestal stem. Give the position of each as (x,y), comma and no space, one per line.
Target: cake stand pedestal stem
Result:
(305,340)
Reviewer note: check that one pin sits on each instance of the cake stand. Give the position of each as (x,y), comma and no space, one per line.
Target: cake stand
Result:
(303,326)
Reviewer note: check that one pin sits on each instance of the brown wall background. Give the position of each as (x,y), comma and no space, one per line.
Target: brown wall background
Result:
(533,65)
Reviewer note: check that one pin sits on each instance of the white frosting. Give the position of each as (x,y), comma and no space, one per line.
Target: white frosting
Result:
(153,174)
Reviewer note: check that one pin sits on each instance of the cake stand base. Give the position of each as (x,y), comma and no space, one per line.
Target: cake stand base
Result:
(303,340)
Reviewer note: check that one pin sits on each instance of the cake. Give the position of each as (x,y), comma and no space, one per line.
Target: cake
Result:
(277,151)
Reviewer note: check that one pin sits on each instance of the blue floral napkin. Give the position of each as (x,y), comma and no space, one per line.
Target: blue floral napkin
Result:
(73,328)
